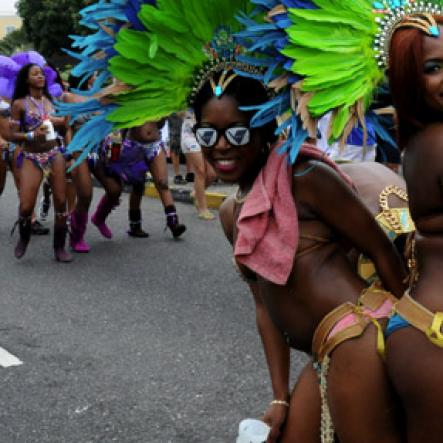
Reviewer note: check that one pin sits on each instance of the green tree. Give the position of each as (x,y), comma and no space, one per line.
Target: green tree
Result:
(48,23)
(13,42)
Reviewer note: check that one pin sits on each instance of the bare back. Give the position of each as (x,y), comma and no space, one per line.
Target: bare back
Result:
(370,179)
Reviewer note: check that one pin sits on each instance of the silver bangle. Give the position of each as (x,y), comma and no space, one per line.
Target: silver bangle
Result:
(280,402)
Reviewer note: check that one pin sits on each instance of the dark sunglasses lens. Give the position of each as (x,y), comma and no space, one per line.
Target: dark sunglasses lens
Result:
(238,136)
(206,137)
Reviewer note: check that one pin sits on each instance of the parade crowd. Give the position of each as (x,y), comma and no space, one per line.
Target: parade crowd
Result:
(33,143)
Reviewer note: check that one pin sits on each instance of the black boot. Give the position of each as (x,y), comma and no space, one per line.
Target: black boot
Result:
(60,232)
(190,177)
(24,227)
(135,224)
(172,222)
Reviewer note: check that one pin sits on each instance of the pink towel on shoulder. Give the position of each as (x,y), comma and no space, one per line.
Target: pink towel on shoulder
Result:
(267,227)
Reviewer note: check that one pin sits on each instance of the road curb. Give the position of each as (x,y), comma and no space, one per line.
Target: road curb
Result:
(214,199)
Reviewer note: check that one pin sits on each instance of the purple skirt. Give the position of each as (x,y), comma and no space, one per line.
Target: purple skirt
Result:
(133,160)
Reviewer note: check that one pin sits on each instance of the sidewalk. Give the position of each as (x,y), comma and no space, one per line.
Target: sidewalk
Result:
(215,194)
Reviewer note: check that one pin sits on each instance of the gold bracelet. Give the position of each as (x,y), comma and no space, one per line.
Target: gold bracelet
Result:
(280,402)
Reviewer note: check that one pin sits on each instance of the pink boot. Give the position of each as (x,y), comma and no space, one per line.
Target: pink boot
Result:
(61,255)
(79,222)
(104,208)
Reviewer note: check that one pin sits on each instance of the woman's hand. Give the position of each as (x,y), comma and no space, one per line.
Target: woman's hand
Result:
(60,123)
(40,134)
(275,417)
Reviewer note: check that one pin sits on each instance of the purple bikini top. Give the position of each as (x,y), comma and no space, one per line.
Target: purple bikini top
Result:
(33,118)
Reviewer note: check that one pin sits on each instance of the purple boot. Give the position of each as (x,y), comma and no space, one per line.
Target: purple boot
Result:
(60,253)
(78,223)
(104,208)
(25,228)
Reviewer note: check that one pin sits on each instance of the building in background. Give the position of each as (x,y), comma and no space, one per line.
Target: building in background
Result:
(9,23)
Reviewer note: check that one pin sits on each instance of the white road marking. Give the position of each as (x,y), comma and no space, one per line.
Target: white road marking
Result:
(7,359)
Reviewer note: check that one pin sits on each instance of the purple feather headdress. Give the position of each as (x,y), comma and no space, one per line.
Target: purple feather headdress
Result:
(10,66)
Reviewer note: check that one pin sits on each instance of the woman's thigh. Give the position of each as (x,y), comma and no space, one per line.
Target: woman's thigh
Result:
(159,168)
(112,186)
(15,170)
(58,182)
(415,366)
(360,396)
(303,421)
(82,179)
(30,179)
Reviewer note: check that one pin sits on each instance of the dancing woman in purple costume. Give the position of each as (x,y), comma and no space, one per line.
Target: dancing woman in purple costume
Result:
(31,111)
(81,175)
(140,151)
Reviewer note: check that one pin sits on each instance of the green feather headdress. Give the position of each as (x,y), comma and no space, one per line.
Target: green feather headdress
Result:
(158,53)
(328,55)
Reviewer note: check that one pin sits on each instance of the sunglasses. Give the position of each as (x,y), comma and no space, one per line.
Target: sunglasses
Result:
(236,135)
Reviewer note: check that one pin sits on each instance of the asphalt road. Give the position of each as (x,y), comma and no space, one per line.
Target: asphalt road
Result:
(139,341)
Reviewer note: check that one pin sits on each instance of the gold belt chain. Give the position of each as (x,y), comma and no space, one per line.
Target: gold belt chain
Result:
(390,216)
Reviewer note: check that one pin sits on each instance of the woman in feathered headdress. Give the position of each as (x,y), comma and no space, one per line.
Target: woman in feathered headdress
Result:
(288,231)
(332,56)
(414,56)
(288,225)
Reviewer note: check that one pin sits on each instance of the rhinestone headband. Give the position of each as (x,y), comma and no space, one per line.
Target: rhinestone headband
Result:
(211,68)
(396,14)
(222,54)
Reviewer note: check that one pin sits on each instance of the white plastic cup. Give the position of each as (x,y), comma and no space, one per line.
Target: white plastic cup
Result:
(251,430)
(50,134)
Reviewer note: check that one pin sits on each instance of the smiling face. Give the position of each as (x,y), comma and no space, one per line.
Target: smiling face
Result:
(433,71)
(233,164)
(36,78)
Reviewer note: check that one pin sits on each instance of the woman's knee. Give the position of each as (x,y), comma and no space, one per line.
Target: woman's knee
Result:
(84,196)
(162,184)
(60,204)
(26,209)
(113,194)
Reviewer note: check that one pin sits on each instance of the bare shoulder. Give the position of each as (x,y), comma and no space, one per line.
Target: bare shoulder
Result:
(17,108)
(311,175)
(18,104)
(429,141)
(423,157)
(226,213)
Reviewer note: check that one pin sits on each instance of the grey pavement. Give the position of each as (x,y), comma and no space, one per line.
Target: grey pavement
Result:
(140,341)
